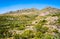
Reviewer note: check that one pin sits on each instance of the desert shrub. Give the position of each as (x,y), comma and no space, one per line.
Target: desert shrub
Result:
(55,31)
(36,38)
(17,36)
(27,34)
(41,28)
(54,14)
(57,36)
(42,22)
(5,34)
(21,27)
(48,36)
(39,34)
(58,22)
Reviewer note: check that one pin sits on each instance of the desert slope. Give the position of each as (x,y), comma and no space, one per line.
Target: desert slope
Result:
(30,24)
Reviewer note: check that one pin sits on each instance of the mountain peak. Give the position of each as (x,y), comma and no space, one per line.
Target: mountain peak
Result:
(50,8)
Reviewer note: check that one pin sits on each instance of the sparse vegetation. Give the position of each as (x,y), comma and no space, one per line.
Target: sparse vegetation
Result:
(29,24)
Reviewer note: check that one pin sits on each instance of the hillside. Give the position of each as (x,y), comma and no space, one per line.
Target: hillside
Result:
(31,24)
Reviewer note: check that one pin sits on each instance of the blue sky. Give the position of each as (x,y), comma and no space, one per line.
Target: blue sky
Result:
(12,5)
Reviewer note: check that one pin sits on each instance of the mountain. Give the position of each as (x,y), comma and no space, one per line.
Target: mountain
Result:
(30,24)
(23,11)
